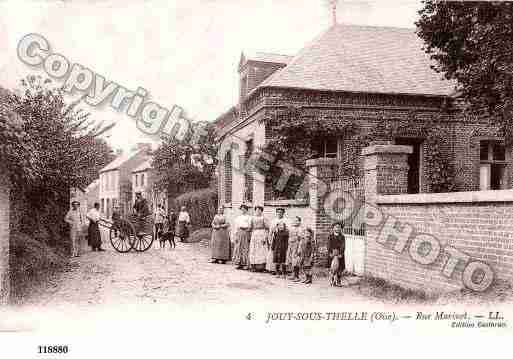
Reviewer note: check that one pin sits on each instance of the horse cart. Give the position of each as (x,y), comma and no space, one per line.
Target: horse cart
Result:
(132,232)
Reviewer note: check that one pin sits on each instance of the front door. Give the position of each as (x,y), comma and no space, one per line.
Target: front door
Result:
(414,161)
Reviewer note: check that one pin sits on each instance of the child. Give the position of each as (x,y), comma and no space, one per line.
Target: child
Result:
(168,234)
(336,247)
(306,253)
(295,233)
(279,245)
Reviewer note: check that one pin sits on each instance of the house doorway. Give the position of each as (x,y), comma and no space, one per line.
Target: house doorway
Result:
(414,162)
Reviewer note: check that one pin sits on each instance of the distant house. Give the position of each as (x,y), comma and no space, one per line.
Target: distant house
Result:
(116,180)
(143,180)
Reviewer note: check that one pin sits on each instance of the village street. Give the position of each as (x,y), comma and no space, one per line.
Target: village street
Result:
(181,276)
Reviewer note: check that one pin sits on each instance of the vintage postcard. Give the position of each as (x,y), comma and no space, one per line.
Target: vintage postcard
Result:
(255,178)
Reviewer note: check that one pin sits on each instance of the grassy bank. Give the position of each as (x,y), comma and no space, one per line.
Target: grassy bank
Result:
(33,264)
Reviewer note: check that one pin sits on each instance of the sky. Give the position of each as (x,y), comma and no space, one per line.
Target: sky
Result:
(183,52)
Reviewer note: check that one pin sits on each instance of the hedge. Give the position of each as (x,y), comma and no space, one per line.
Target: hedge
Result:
(201,205)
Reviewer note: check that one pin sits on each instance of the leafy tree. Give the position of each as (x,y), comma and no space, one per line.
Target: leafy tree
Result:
(186,165)
(64,146)
(472,42)
(48,147)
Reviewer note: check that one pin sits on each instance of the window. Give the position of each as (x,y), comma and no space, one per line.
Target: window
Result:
(108,208)
(228,177)
(326,147)
(244,86)
(492,168)
(248,173)
(103,206)
(142,179)
(136,180)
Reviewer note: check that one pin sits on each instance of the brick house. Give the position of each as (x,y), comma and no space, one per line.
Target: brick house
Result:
(116,180)
(369,76)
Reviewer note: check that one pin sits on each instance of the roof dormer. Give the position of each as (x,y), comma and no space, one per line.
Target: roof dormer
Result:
(255,68)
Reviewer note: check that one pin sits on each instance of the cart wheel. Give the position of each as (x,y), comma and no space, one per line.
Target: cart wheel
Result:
(143,242)
(122,237)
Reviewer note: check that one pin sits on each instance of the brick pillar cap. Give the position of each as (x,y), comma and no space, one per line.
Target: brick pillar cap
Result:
(398,149)
(321,162)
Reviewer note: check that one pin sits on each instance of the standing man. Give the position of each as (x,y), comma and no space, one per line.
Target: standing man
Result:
(76,224)
(184,220)
(95,238)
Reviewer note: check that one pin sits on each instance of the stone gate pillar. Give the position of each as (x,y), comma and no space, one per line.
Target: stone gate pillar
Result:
(5,190)
(386,170)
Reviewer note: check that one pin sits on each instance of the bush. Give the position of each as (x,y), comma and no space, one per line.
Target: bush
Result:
(201,205)
(32,262)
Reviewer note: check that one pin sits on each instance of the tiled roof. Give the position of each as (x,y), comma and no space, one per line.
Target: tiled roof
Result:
(363,59)
(119,161)
(143,167)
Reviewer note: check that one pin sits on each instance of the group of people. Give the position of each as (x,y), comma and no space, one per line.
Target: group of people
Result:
(280,247)
(166,226)
(169,226)
(81,227)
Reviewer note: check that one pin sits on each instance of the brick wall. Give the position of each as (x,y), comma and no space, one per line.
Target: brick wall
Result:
(482,230)
(4,237)
(478,226)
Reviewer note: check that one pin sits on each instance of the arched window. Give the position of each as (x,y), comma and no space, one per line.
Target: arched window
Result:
(228,177)
(248,173)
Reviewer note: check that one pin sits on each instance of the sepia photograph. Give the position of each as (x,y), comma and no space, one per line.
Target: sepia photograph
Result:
(255,178)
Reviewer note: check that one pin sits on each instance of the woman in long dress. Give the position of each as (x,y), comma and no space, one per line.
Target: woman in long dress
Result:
(220,238)
(242,239)
(295,234)
(95,239)
(259,240)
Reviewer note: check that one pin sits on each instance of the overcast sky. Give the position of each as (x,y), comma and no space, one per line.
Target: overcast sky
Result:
(183,52)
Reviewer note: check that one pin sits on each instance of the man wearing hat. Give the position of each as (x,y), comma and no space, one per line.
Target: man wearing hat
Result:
(141,207)
(76,224)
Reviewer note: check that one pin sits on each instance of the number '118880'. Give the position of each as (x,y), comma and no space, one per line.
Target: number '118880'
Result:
(52,349)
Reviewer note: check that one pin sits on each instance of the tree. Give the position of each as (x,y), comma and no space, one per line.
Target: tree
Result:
(472,43)
(64,145)
(48,146)
(182,166)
